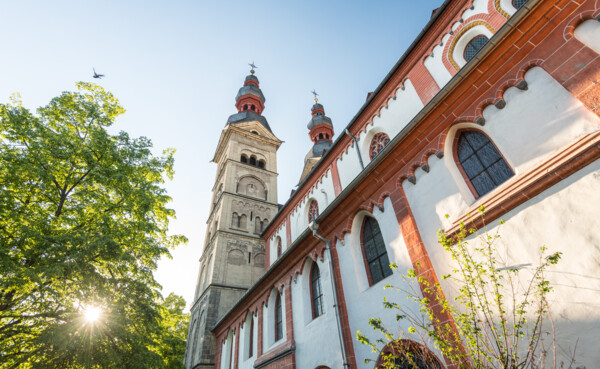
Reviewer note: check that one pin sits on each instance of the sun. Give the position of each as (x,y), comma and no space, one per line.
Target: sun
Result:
(92,314)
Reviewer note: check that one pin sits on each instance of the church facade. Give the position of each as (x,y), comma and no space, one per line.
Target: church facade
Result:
(495,104)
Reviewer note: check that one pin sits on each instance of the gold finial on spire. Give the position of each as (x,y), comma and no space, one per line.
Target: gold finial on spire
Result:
(316,94)
(253,67)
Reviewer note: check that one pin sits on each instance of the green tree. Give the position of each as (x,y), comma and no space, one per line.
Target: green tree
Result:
(498,311)
(174,323)
(83,222)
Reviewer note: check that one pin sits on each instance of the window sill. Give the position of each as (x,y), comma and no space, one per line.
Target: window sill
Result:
(525,186)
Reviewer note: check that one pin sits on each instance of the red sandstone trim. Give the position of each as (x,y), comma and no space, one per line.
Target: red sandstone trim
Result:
(335,177)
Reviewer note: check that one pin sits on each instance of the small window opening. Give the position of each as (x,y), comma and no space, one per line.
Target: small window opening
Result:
(320,136)
(253,108)
(261,164)
(327,136)
(253,160)
(474,46)
(244,159)
(249,257)
(518,3)
(245,107)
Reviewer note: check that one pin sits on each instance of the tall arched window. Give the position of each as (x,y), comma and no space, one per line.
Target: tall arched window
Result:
(244,159)
(278,247)
(316,294)
(253,160)
(474,46)
(481,162)
(378,263)
(313,211)
(251,338)
(378,143)
(278,319)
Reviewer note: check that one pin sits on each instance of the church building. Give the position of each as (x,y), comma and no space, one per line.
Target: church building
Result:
(496,104)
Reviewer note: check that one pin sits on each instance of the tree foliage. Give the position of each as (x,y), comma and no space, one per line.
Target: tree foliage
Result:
(497,314)
(83,222)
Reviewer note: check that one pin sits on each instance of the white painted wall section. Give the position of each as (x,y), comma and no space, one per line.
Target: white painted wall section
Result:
(399,112)
(367,301)
(588,33)
(317,341)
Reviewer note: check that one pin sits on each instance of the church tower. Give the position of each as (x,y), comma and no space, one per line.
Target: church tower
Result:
(244,201)
(320,131)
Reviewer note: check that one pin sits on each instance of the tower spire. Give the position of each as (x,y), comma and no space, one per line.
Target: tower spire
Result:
(320,131)
(250,101)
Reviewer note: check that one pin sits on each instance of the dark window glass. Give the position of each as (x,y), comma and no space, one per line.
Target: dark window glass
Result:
(518,3)
(315,291)
(261,164)
(481,162)
(252,160)
(278,247)
(244,159)
(375,252)
(251,340)
(278,322)
(474,46)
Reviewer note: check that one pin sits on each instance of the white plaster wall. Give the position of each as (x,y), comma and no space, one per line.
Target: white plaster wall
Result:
(564,218)
(507,6)
(366,301)
(245,362)
(537,122)
(348,165)
(269,321)
(317,341)
(435,65)
(479,7)
(588,32)
(395,116)
(323,193)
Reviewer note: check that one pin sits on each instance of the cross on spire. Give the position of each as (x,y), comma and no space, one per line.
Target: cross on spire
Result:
(316,94)
(253,67)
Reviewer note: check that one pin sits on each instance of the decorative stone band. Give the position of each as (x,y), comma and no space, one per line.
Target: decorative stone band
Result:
(525,186)
(500,10)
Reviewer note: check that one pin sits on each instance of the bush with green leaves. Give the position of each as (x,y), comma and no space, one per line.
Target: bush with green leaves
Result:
(499,313)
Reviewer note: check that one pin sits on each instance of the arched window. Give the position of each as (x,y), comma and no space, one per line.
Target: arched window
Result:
(251,338)
(481,162)
(518,3)
(246,107)
(244,159)
(320,136)
(313,211)
(474,46)
(278,247)
(235,220)
(253,108)
(242,221)
(378,263)
(261,164)
(316,294)
(253,160)
(278,319)
(378,143)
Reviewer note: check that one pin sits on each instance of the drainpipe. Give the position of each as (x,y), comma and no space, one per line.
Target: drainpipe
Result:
(362,166)
(313,226)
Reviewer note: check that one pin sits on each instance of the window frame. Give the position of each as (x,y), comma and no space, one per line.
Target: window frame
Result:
(251,337)
(319,298)
(377,137)
(279,249)
(476,52)
(462,171)
(364,253)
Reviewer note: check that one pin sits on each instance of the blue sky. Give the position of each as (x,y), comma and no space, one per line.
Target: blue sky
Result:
(176,67)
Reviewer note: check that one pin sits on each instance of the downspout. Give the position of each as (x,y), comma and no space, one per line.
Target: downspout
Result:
(313,226)
(362,166)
